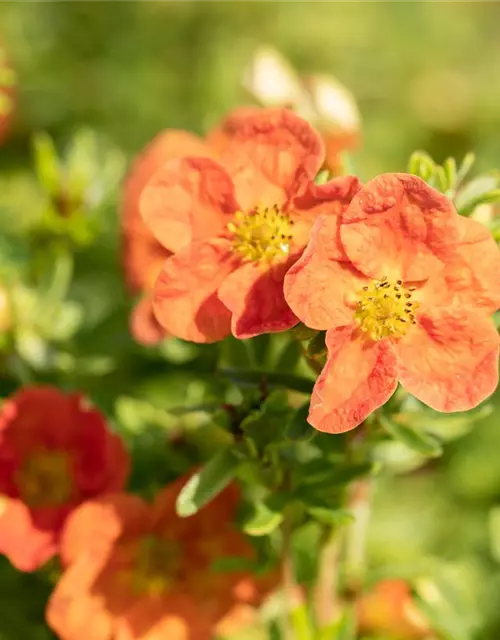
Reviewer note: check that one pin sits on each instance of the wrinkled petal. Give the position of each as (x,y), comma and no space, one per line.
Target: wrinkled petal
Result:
(359,377)
(330,199)
(449,360)
(185,298)
(187,199)
(27,545)
(254,296)
(219,138)
(271,154)
(471,278)
(73,611)
(96,525)
(320,290)
(399,226)
(144,326)
(166,145)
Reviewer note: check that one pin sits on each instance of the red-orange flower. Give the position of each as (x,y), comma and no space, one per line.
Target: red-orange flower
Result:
(389,609)
(139,572)
(55,452)
(405,287)
(237,226)
(7,92)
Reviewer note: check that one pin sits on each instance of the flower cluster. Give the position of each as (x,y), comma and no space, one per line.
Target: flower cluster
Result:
(403,285)
(130,569)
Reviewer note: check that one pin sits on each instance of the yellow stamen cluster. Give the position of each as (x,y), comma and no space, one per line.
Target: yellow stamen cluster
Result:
(263,234)
(44,480)
(156,564)
(385,309)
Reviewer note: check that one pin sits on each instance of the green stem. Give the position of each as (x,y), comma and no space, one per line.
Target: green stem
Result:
(287,578)
(327,605)
(271,378)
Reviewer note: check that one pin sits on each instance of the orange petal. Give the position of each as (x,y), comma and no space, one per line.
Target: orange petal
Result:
(166,145)
(399,226)
(185,297)
(320,289)
(27,545)
(73,611)
(358,377)
(254,295)
(95,525)
(220,136)
(144,326)
(331,199)
(187,199)
(271,153)
(472,277)
(449,360)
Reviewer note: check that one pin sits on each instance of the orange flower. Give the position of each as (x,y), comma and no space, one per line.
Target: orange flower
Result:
(139,572)
(7,92)
(143,255)
(404,287)
(237,226)
(389,609)
(55,452)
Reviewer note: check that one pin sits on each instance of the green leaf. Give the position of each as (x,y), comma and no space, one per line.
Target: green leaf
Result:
(465,167)
(207,483)
(270,378)
(494,531)
(481,190)
(331,517)
(421,442)
(298,428)
(421,165)
(289,357)
(263,520)
(317,347)
(267,424)
(450,172)
(46,162)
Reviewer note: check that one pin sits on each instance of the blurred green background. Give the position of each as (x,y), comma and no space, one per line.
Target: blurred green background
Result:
(426,75)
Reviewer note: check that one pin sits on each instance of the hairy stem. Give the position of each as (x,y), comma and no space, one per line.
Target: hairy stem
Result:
(287,578)
(327,605)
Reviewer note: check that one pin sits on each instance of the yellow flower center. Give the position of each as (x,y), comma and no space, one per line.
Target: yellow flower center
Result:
(44,480)
(385,309)
(156,564)
(263,234)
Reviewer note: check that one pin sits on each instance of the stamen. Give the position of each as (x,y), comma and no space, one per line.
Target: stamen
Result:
(262,234)
(384,309)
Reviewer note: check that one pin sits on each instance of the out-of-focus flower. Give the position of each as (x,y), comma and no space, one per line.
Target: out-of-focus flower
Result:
(404,287)
(388,609)
(237,226)
(55,452)
(141,572)
(321,99)
(7,92)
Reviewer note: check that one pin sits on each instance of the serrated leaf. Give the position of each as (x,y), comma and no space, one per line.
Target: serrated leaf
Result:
(419,441)
(213,478)
(263,521)
(298,428)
